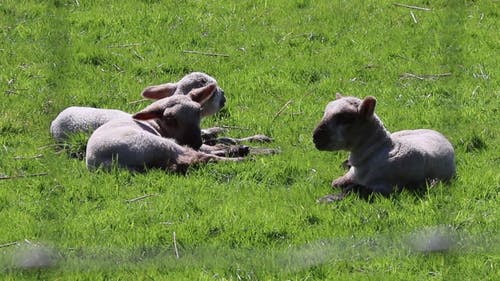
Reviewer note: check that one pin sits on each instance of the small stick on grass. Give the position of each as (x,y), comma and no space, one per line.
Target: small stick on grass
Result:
(176,251)
(137,55)
(139,198)
(413,17)
(282,109)
(138,101)
(9,244)
(28,157)
(412,7)
(125,45)
(474,92)
(5,177)
(14,90)
(205,53)
(424,76)
(48,146)
(117,67)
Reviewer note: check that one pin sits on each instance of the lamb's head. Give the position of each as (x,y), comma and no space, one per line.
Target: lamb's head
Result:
(178,116)
(345,123)
(184,86)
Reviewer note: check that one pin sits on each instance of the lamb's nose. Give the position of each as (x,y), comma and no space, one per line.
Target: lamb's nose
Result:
(316,138)
(222,100)
(319,137)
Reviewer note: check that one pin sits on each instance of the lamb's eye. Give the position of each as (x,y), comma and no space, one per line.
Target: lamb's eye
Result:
(345,118)
(170,120)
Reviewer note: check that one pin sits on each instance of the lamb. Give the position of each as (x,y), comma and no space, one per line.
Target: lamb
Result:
(77,119)
(379,161)
(165,134)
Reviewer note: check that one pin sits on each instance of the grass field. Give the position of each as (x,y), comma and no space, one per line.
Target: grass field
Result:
(279,62)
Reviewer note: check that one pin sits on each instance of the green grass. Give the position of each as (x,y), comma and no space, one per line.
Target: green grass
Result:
(256,220)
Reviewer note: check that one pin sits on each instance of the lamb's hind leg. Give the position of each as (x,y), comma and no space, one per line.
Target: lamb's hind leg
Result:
(226,150)
(224,147)
(192,157)
(210,136)
(255,138)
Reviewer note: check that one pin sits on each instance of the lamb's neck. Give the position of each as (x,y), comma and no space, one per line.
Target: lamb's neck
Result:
(378,138)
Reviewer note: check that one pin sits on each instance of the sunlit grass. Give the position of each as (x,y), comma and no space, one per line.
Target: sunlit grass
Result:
(256,220)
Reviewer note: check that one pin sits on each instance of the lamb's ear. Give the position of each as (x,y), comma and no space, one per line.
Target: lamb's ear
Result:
(159,91)
(201,95)
(367,107)
(338,96)
(148,113)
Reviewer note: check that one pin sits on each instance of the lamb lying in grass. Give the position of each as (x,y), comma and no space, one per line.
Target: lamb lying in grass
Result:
(381,161)
(77,119)
(166,134)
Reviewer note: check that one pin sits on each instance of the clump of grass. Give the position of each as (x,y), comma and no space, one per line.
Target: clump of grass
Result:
(473,142)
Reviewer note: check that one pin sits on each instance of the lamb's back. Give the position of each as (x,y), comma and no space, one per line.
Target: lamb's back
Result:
(428,148)
(136,144)
(77,119)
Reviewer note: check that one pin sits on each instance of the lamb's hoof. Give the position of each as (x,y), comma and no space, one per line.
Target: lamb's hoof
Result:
(210,135)
(330,198)
(213,131)
(238,151)
(231,151)
(433,183)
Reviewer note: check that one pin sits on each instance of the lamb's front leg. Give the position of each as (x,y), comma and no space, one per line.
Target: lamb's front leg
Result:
(200,157)
(210,135)
(226,150)
(344,180)
(190,157)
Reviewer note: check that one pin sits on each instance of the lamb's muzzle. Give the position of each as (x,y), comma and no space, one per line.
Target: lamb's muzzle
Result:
(320,137)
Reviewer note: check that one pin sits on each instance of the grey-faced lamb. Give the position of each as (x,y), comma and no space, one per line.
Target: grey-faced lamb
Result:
(166,134)
(76,119)
(379,161)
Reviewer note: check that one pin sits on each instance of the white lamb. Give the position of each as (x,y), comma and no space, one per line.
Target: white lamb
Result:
(77,119)
(381,161)
(166,134)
